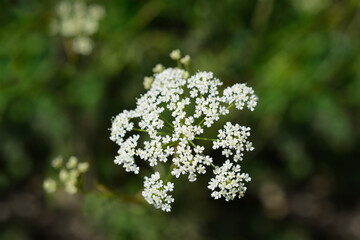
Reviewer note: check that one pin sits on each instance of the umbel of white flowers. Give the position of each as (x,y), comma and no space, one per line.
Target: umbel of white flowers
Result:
(68,175)
(78,21)
(172,116)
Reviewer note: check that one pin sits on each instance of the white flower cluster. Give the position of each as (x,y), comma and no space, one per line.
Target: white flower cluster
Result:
(233,138)
(228,181)
(156,193)
(174,112)
(69,175)
(77,20)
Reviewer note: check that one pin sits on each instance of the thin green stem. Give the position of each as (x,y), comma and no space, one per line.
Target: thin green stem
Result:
(142,130)
(206,139)
(163,133)
(168,144)
(111,193)
(168,128)
(139,130)
(230,106)
(187,67)
(163,118)
(201,122)
(193,144)
(169,176)
(172,144)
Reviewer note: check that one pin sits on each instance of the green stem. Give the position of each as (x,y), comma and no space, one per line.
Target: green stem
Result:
(206,139)
(139,130)
(111,193)
(169,176)
(187,68)
(161,116)
(230,106)
(142,130)
(201,122)
(163,133)
(193,144)
(168,144)
(171,130)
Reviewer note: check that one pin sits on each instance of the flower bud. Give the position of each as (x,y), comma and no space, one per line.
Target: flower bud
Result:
(175,55)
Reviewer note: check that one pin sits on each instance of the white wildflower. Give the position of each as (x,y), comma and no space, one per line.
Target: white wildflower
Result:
(69,178)
(68,175)
(228,181)
(147,82)
(70,188)
(173,114)
(158,68)
(186,75)
(72,162)
(240,94)
(57,162)
(78,21)
(96,12)
(83,45)
(49,185)
(175,54)
(233,138)
(83,167)
(63,175)
(185,60)
(126,154)
(156,192)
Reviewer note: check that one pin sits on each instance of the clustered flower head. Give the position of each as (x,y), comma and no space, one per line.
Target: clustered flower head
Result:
(69,174)
(171,118)
(156,192)
(228,181)
(78,21)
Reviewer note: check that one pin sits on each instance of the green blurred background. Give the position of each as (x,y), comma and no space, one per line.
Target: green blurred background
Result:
(302,57)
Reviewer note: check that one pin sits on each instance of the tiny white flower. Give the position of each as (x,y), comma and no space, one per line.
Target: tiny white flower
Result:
(83,45)
(158,68)
(63,175)
(49,185)
(96,12)
(70,188)
(57,162)
(175,54)
(185,60)
(72,163)
(83,167)
(147,82)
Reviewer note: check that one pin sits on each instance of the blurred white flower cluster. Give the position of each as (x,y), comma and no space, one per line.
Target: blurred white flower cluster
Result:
(78,21)
(69,174)
(172,116)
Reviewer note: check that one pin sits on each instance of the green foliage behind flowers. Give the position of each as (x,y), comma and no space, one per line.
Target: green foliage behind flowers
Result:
(121,220)
(300,57)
